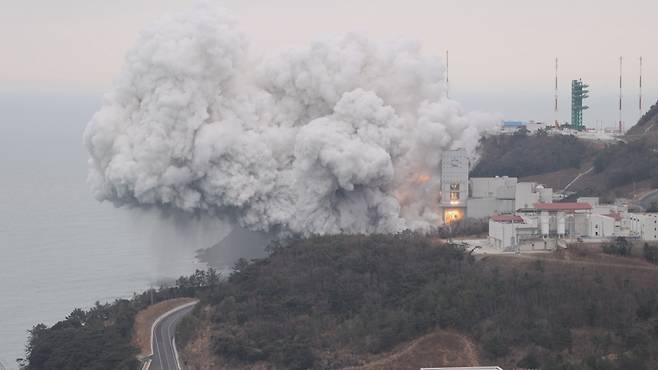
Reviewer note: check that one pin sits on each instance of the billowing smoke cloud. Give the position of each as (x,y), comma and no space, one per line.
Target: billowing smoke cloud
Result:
(339,136)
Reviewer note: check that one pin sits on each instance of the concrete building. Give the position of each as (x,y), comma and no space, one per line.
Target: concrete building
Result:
(480,197)
(529,193)
(547,224)
(563,220)
(536,226)
(602,226)
(491,195)
(644,225)
(607,220)
(509,231)
(454,184)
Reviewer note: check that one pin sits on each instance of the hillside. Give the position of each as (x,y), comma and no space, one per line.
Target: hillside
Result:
(647,125)
(366,302)
(522,154)
(387,302)
(623,169)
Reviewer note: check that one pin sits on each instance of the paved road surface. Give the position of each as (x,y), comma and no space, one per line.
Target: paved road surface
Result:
(646,200)
(164,353)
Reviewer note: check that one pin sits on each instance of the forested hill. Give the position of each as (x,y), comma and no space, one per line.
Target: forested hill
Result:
(338,301)
(618,169)
(523,154)
(647,125)
(366,302)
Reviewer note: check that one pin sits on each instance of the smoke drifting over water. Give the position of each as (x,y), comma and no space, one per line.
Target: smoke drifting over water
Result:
(339,136)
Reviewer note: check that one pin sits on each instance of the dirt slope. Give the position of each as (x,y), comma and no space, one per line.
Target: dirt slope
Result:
(440,348)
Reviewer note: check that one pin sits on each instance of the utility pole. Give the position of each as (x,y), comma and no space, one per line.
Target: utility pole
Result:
(555,108)
(640,100)
(620,110)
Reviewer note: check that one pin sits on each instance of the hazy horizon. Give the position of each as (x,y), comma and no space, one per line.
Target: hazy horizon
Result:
(501,55)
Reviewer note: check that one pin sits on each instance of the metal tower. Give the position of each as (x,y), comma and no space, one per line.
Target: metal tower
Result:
(621,124)
(578,94)
(640,101)
(555,108)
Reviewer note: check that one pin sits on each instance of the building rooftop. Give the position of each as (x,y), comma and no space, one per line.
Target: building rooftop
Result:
(566,206)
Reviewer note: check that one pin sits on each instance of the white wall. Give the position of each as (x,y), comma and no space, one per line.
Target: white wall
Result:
(493,187)
(645,225)
(602,226)
(545,194)
(529,193)
(485,207)
(502,235)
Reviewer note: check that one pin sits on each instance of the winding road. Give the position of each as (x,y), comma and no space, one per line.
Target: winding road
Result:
(163,341)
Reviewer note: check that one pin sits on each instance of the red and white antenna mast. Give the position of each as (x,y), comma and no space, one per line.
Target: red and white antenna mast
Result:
(640,101)
(620,112)
(555,108)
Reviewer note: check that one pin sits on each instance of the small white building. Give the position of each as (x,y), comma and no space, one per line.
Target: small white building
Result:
(644,225)
(508,231)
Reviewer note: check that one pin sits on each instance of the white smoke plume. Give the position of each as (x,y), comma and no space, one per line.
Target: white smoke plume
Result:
(339,136)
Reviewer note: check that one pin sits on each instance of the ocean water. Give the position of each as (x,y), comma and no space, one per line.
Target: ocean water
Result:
(60,248)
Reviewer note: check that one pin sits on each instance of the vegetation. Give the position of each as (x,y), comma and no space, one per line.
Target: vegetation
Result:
(99,338)
(463,227)
(314,300)
(650,253)
(522,154)
(647,117)
(625,163)
(325,302)
(621,247)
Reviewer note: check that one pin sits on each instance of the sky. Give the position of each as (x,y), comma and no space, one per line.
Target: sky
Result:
(501,52)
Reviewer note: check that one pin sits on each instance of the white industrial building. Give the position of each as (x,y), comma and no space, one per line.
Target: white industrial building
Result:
(546,223)
(644,225)
(529,193)
(534,225)
(524,212)
(507,231)
(481,197)
(454,184)
(491,195)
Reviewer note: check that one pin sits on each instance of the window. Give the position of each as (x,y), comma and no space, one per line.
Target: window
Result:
(454,187)
(454,195)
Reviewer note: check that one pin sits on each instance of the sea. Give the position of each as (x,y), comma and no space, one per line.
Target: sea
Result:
(61,249)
